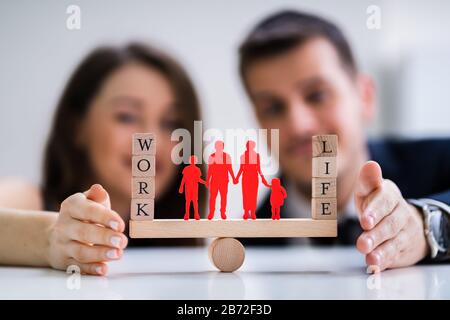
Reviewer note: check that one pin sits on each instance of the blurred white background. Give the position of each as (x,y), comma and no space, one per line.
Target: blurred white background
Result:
(408,57)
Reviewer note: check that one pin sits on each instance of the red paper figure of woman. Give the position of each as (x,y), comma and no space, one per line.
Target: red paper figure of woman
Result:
(190,181)
(250,169)
(277,196)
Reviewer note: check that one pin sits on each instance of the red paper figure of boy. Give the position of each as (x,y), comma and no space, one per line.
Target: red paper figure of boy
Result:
(277,196)
(219,167)
(190,181)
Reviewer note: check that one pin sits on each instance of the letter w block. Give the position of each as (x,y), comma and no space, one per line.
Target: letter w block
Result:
(144,144)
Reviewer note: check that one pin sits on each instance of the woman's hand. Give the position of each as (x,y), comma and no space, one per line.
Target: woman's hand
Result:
(393,229)
(87,233)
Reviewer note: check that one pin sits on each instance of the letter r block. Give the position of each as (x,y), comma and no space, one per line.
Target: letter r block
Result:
(143,188)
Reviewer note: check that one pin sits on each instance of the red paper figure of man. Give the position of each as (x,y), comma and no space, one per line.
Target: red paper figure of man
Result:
(190,181)
(219,167)
(277,196)
(250,169)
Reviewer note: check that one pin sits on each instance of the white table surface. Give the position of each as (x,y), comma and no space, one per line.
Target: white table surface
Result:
(267,273)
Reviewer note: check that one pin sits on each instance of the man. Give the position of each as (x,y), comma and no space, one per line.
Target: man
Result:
(300,75)
(219,166)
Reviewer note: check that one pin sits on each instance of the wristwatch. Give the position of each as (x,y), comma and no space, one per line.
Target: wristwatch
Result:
(436,226)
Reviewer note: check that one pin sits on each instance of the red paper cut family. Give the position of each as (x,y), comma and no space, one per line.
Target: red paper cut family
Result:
(217,179)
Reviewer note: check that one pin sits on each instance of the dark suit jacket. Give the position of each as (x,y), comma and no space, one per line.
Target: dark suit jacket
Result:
(420,168)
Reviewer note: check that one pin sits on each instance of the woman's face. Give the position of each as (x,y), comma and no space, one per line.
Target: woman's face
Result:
(135,98)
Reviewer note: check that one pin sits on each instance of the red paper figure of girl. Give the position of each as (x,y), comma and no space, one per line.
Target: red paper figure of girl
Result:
(250,169)
(277,196)
(190,181)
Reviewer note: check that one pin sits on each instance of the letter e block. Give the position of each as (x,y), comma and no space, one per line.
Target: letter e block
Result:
(324,208)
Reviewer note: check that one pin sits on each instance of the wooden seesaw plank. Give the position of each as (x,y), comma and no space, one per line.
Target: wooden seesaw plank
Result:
(234,228)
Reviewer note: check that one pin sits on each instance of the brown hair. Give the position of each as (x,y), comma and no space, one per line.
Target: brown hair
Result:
(66,166)
(285,30)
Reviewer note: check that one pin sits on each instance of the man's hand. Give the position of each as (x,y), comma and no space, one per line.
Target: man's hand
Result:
(393,229)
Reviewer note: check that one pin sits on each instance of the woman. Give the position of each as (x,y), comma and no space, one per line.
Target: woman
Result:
(113,93)
(250,169)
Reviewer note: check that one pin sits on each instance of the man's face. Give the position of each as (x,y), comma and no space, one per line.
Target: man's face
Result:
(304,92)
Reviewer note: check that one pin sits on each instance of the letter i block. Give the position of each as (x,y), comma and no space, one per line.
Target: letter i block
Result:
(324,174)
(324,167)
(143,172)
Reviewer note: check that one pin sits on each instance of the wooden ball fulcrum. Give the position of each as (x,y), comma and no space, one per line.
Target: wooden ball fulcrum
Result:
(226,254)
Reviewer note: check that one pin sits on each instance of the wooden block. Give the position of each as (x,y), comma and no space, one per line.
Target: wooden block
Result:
(233,228)
(143,188)
(324,145)
(144,144)
(324,187)
(226,254)
(142,209)
(324,208)
(324,167)
(143,166)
